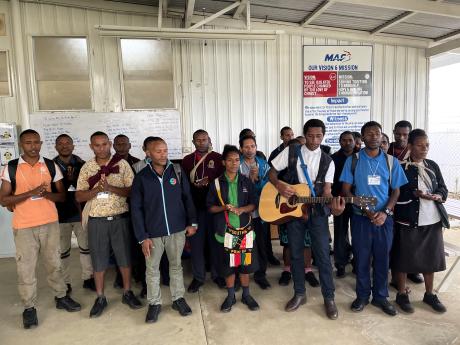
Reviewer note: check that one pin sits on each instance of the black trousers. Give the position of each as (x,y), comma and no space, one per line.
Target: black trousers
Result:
(261,228)
(342,246)
(202,243)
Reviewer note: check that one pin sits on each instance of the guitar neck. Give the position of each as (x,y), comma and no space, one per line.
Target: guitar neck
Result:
(322,199)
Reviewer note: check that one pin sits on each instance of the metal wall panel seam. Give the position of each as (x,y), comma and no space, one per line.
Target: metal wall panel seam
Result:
(229,74)
(216,114)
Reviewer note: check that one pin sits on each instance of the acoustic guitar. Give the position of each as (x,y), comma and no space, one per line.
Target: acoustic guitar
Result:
(276,209)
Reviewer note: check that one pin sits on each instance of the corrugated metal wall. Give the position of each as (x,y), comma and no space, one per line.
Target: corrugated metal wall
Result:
(229,85)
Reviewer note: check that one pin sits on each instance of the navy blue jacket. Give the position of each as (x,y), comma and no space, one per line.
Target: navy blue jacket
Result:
(160,205)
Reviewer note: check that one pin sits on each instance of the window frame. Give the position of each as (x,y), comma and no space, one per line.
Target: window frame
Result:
(9,74)
(122,80)
(35,106)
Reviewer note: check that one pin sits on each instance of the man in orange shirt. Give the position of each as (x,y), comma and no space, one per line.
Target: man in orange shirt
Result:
(26,189)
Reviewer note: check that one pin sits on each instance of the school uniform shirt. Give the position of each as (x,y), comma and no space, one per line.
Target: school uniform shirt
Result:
(372,177)
(312,160)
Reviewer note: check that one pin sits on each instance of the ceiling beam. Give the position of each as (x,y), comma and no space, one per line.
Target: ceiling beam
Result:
(442,48)
(215,15)
(422,6)
(317,12)
(392,22)
(319,31)
(450,36)
(240,9)
(189,13)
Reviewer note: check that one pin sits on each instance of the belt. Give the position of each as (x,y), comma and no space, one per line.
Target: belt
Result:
(115,217)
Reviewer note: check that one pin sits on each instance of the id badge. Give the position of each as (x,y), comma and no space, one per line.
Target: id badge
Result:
(102,195)
(373,180)
(36,197)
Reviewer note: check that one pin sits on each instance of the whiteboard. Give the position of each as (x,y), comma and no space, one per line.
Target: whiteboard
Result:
(135,125)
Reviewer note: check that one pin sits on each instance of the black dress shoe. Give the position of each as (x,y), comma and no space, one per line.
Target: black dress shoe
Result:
(99,305)
(228,303)
(331,309)
(131,300)
(386,306)
(402,299)
(220,282)
(285,278)
(152,313)
(433,301)
(67,304)
(182,307)
(194,286)
(311,279)
(272,260)
(250,302)
(263,283)
(69,289)
(340,272)
(295,302)
(417,278)
(89,284)
(358,305)
(29,318)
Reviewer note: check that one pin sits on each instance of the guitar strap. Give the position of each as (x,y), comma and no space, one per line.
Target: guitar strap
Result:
(305,171)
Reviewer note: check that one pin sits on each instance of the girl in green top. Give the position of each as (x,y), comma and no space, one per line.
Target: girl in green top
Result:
(231,200)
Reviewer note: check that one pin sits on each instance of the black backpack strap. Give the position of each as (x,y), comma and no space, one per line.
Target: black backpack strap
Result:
(51,167)
(292,160)
(12,168)
(52,170)
(324,163)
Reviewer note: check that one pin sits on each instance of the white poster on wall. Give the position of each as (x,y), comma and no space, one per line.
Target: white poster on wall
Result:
(337,88)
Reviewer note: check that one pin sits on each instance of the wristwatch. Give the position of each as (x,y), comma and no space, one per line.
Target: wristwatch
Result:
(388,212)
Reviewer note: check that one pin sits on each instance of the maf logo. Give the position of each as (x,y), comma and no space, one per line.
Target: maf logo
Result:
(346,56)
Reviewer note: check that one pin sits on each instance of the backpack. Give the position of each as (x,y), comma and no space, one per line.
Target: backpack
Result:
(13,167)
(389,159)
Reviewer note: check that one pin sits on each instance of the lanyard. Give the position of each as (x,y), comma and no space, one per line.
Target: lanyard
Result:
(373,172)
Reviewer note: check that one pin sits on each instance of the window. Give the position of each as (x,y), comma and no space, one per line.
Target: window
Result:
(62,73)
(5,86)
(147,73)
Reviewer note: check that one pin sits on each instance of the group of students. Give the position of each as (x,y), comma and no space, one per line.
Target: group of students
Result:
(138,214)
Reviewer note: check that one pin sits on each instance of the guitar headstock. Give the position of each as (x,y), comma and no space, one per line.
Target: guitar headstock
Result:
(364,201)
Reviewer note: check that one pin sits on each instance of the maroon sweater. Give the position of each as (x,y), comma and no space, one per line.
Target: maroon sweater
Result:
(211,167)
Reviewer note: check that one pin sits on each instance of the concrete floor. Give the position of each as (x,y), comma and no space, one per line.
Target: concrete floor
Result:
(270,325)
